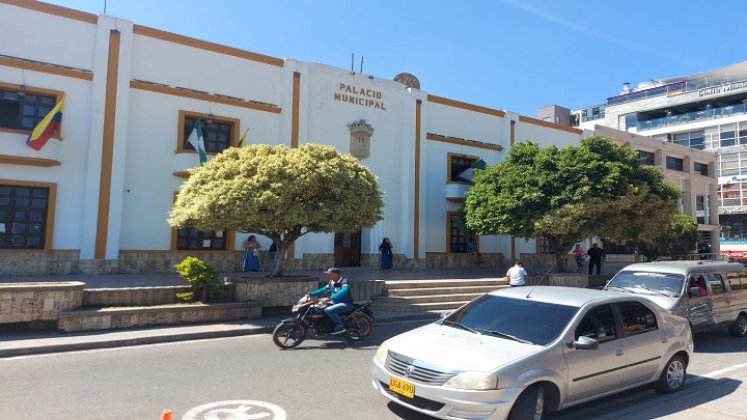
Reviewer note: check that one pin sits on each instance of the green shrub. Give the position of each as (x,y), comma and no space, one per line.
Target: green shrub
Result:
(202,279)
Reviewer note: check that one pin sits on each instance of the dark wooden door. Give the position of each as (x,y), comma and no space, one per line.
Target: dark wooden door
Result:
(348,249)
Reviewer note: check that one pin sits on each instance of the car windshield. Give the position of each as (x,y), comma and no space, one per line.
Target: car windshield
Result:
(521,320)
(642,281)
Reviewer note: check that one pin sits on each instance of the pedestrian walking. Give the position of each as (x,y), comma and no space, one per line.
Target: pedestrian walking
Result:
(271,255)
(580,253)
(596,256)
(386,254)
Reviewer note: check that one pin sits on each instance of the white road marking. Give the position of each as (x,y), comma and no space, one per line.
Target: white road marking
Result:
(711,375)
(236,410)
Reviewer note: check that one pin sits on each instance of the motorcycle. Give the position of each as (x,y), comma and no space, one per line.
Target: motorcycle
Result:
(310,316)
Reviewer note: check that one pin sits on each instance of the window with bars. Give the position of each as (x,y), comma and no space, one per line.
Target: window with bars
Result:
(23,216)
(218,133)
(23,109)
(458,234)
(188,239)
(458,164)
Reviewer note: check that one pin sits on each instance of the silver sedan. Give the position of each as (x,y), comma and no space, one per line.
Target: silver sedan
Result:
(523,352)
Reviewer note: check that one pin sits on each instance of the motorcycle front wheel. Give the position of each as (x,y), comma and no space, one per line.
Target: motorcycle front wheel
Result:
(358,327)
(288,334)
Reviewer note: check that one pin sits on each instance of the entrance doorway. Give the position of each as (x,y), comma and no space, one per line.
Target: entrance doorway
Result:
(348,249)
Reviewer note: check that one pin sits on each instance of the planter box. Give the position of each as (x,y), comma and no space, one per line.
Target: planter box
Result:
(133,296)
(38,301)
(109,318)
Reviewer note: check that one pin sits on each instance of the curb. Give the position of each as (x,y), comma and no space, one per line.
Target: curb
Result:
(175,337)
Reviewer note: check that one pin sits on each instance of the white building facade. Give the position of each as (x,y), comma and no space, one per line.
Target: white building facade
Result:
(706,111)
(97,199)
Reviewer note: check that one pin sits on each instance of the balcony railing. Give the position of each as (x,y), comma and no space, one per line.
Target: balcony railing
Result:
(690,117)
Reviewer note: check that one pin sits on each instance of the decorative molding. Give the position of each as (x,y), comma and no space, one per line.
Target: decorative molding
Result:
(45,68)
(203,96)
(206,45)
(54,10)
(107,150)
(296,111)
(360,139)
(28,161)
(547,124)
(464,105)
(463,142)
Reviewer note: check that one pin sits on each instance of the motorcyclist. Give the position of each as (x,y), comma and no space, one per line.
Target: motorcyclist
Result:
(339,294)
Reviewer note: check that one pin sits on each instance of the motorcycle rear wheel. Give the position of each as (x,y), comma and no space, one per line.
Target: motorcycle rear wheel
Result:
(358,331)
(288,334)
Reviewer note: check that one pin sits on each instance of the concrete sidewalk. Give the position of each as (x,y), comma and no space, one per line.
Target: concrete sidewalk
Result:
(40,342)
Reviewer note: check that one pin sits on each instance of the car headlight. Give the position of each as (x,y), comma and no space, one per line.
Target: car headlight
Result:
(380,356)
(473,380)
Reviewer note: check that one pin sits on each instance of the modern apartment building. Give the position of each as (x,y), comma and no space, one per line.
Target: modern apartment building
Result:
(706,111)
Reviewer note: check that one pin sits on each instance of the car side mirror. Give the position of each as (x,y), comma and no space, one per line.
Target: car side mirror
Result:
(585,343)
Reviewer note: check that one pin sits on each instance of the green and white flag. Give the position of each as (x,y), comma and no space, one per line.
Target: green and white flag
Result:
(468,174)
(198,142)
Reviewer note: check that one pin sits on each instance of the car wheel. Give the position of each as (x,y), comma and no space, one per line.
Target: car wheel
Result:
(531,404)
(672,379)
(739,327)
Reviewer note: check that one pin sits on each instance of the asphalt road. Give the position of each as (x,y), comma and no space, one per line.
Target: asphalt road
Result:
(252,379)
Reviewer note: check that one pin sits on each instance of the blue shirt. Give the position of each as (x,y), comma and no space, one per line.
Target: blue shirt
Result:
(339,291)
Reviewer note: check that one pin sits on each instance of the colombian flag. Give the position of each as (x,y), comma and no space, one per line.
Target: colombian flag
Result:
(46,127)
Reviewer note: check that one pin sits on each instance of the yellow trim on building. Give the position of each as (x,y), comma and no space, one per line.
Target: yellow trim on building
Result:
(28,161)
(206,45)
(54,10)
(463,105)
(416,216)
(45,68)
(214,98)
(463,142)
(107,150)
(547,124)
(295,123)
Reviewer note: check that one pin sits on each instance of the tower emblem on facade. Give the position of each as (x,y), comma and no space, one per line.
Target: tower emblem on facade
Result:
(360,139)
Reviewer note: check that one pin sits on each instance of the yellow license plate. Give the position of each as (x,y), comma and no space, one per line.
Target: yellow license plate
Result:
(402,387)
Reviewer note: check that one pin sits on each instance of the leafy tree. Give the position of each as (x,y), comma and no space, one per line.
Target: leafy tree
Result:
(676,239)
(279,192)
(596,188)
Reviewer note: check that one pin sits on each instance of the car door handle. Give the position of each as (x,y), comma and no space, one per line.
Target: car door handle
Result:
(620,352)
(664,339)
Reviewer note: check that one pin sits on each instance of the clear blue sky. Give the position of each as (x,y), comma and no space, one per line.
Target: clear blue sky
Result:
(517,55)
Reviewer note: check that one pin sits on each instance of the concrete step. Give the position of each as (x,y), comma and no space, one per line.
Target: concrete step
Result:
(423,307)
(412,284)
(421,291)
(413,300)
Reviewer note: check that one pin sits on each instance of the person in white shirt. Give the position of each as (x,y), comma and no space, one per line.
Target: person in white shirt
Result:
(516,275)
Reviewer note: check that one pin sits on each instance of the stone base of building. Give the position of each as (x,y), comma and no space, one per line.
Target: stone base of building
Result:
(43,263)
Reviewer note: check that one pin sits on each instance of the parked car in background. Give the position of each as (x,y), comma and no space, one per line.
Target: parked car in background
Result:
(523,352)
(710,294)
